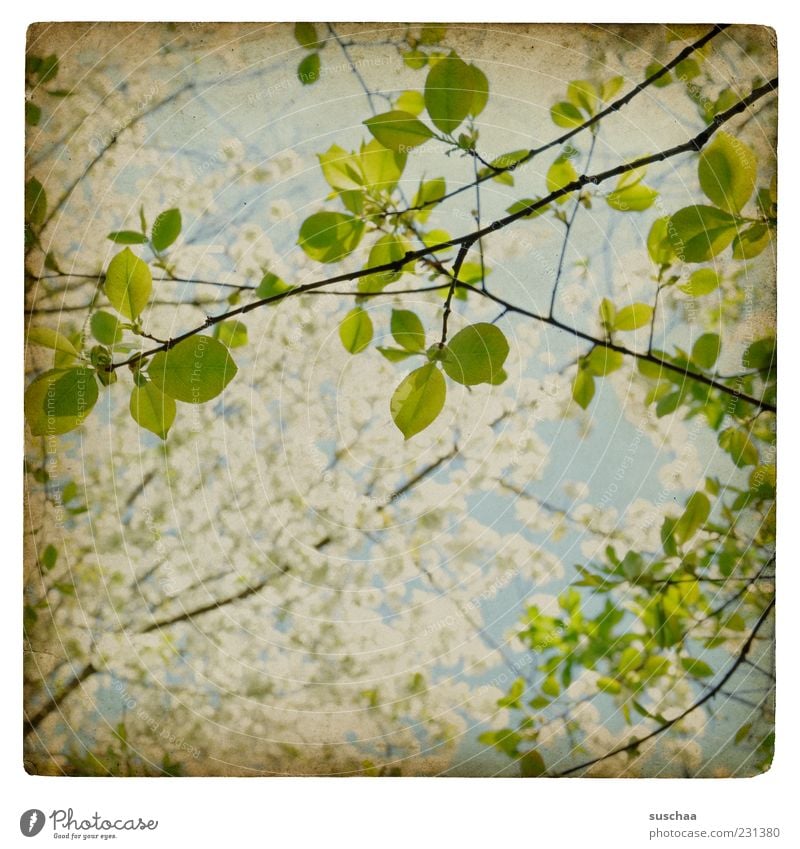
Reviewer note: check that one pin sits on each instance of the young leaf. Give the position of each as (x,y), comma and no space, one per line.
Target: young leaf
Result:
(418,400)
(232,334)
(105,328)
(480,91)
(387,249)
(195,370)
(633,198)
(128,284)
(633,317)
(127,237)
(727,170)
(59,400)
(449,93)
(583,388)
(700,232)
(382,167)
(408,331)
(698,668)
(561,173)
(761,354)
(701,282)
(395,355)
(152,409)
(531,765)
(602,361)
(411,101)
(355,331)
(270,286)
(166,228)
(706,350)
(694,516)
(737,443)
(658,244)
(306,35)
(35,202)
(48,338)
(564,114)
(584,95)
(399,131)
(308,69)
(341,169)
(476,354)
(751,242)
(330,236)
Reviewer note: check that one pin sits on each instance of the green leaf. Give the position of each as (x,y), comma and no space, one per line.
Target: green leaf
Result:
(128,284)
(306,35)
(630,659)
(524,204)
(399,131)
(355,331)
(48,68)
(194,371)
(658,244)
(609,685)
(127,237)
(694,516)
(610,87)
(727,170)
(476,354)
(232,334)
(706,350)
(737,443)
(395,355)
(531,765)
(382,167)
(411,101)
(751,242)
(270,286)
(761,354)
(429,194)
(550,686)
(387,249)
(33,113)
(564,114)
(341,169)
(698,668)
(449,93)
(59,400)
(602,361)
(480,91)
(408,331)
(608,313)
(432,35)
(35,202)
(105,328)
(561,173)
(633,317)
(583,388)
(152,409)
(48,338)
(166,228)
(415,59)
(584,95)
(654,68)
(701,282)
(330,236)
(699,232)
(742,733)
(308,69)
(49,557)
(633,198)
(418,400)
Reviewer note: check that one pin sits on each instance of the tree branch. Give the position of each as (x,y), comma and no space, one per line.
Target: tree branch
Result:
(712,691)
(466,241)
